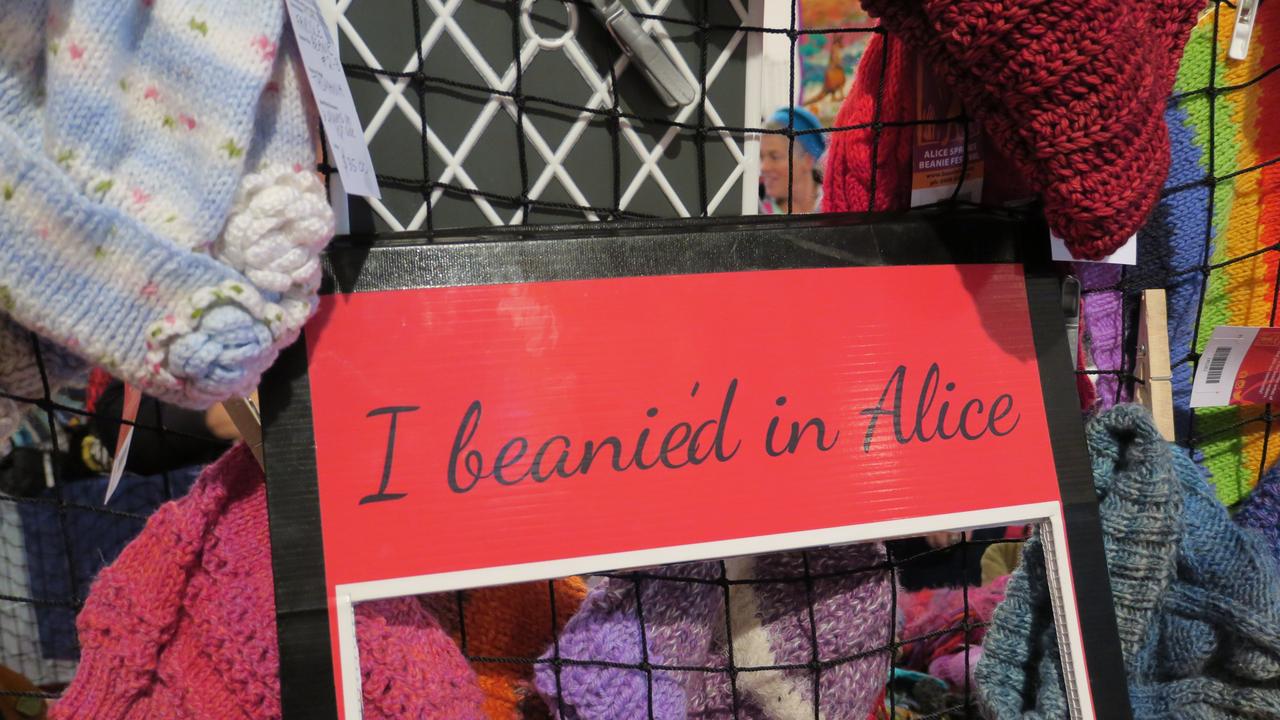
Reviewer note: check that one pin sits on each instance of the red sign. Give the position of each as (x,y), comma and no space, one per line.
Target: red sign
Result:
(597,414)
(546,420)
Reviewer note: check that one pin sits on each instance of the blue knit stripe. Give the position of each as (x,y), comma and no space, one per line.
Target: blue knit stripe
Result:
(76,296)
(1187,216)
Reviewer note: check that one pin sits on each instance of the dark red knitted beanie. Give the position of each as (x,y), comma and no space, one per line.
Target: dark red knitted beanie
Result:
(1072,91)
(886,78)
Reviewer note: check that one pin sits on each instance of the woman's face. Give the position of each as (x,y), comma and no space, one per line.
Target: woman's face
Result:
(773,166)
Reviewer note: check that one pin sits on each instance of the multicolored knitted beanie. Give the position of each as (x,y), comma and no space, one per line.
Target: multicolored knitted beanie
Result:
(159,213)
(1229,225)
(182,625)
(1197,598)
(932,634)
(684,626)
(1071,91)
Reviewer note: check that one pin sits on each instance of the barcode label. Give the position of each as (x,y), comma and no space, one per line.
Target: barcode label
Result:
(1217,364)
(1224,355)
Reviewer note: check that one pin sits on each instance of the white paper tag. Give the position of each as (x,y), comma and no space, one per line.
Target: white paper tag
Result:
(1219,368)
(1126,254)
(124,438)
(333,98)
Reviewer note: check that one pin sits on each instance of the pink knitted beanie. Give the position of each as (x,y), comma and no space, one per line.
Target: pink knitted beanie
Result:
(182,625)
(884,79)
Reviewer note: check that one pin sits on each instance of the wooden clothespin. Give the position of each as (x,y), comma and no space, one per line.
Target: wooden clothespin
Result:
(1154,388)
(244,413)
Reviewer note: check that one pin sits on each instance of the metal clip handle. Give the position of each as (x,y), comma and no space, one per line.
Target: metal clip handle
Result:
(1246,14)
(653,62)
(1071,310)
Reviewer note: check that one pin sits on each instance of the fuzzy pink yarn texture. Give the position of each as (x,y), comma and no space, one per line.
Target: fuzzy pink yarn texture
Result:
(182,625)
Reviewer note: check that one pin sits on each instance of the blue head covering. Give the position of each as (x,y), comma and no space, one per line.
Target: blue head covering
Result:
(800,119)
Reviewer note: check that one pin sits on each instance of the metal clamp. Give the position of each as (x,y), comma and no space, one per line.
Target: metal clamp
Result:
(1246,15)
(653,62)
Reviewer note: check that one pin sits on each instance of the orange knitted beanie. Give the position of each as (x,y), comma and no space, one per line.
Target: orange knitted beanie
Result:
(501,623)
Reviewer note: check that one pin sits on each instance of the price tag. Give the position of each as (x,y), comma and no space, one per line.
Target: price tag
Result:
(1240,366)
(129,414)
(333,98)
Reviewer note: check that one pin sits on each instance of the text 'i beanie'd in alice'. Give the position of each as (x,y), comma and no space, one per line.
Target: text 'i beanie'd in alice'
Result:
(160,216)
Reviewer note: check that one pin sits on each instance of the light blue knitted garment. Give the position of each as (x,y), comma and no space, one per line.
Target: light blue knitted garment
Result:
(159,213)
(1197,598)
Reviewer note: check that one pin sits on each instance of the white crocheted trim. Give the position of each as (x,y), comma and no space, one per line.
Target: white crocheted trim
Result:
(283,321)
(279,223)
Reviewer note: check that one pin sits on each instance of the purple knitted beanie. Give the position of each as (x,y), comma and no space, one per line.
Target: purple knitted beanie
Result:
(680,620)
(1261,510)
(851,599)
(1104,326)
(684,626)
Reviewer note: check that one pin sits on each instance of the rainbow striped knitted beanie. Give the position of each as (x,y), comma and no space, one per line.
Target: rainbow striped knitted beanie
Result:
(1218,135)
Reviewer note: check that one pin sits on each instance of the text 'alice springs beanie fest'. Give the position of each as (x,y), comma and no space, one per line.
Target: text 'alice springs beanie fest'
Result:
(160,215)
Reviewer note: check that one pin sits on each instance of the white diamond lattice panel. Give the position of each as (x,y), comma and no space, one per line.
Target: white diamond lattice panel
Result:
(470,105)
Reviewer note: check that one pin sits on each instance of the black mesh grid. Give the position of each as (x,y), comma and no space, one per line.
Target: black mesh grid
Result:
(55,534)
(899,568)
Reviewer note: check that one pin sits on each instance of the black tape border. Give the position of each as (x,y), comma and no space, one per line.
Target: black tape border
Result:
(549,253)
(1107,675)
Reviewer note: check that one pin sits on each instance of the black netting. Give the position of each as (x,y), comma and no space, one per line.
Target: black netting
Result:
(645,637)
(56,534)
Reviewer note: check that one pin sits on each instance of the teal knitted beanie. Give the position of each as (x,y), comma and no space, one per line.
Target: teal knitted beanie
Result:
(1197,598)
(160,215)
